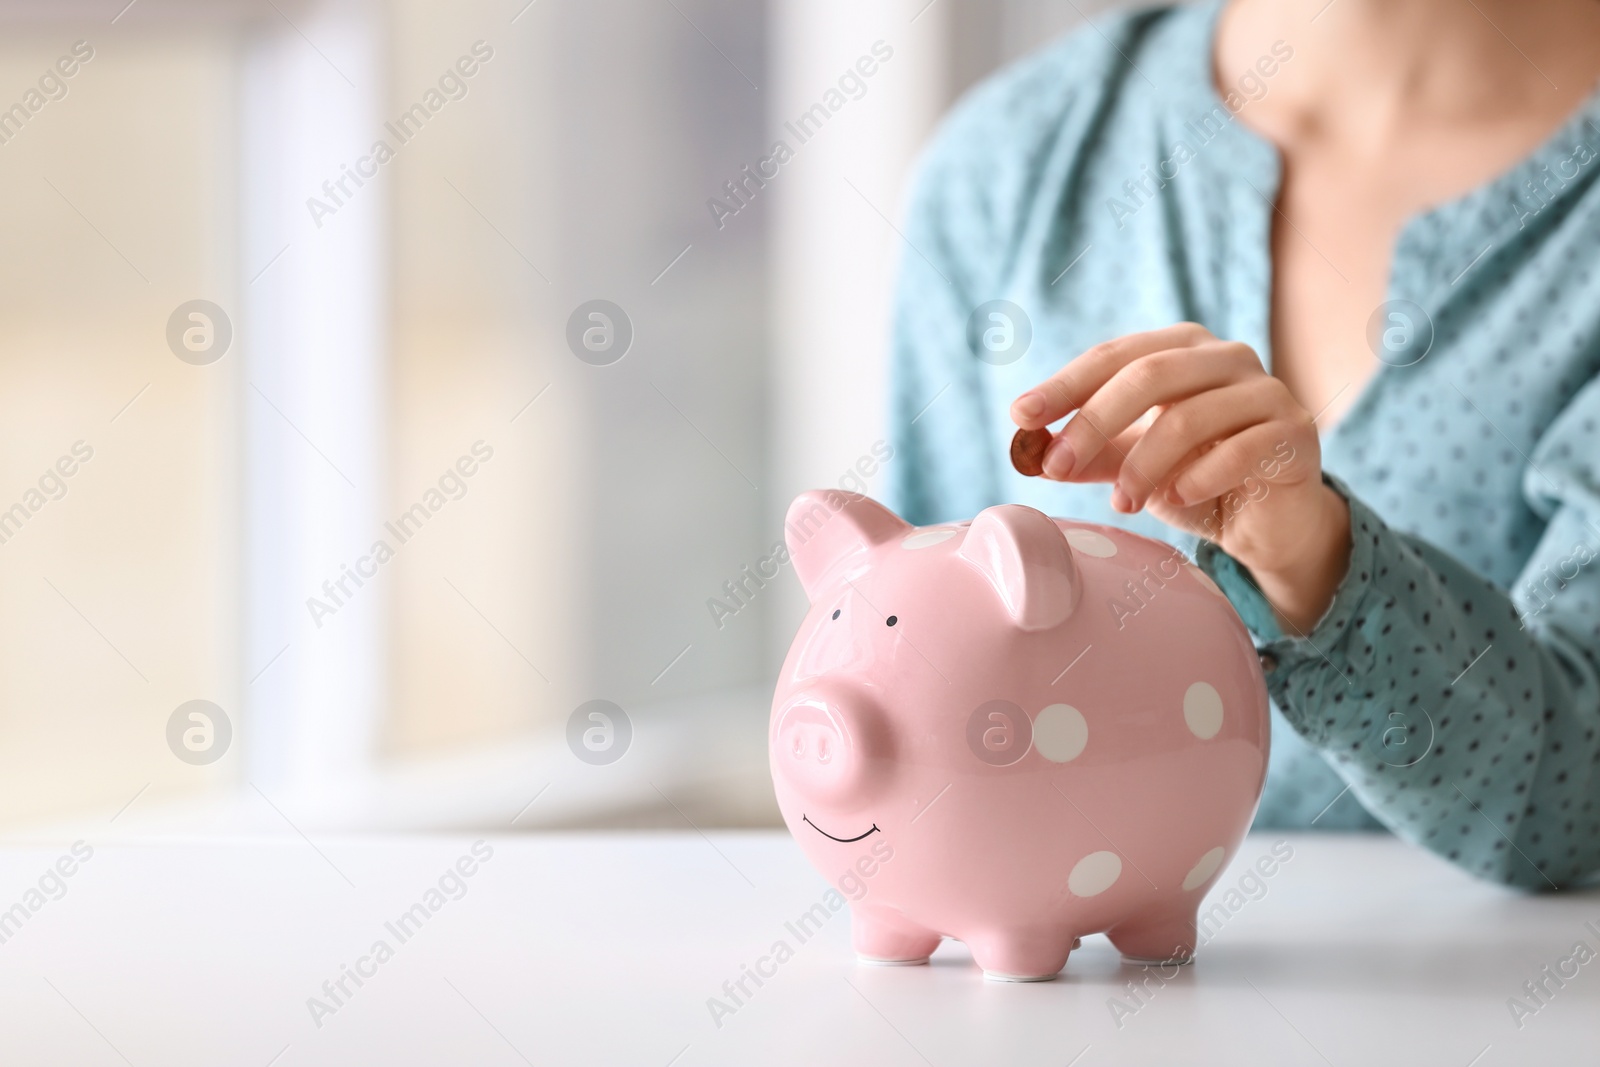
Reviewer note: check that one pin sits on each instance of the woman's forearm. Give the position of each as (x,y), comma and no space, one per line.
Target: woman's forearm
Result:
(1466,726)
(1302,590)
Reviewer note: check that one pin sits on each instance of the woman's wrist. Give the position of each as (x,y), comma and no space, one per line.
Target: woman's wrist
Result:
(1302,588)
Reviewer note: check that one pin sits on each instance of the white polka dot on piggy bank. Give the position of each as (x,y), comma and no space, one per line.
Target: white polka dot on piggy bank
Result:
(1011,762)
(1091,543)
(1202,710)
(928,538)
(1095,873)
(1060,732)
(1205,868)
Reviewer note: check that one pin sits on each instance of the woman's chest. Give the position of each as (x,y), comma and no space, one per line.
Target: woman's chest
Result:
(1443,375)
(1336,223)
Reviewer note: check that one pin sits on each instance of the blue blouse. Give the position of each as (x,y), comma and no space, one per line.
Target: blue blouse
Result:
(1452,691)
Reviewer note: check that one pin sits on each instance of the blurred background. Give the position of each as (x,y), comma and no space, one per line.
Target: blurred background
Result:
(287,280)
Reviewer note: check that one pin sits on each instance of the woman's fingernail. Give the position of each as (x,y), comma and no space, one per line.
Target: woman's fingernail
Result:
(1174,498)
(1058,459)
(1029,405)
(1121,501)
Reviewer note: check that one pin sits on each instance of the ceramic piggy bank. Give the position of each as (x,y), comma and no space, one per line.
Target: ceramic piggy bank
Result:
(1014,732)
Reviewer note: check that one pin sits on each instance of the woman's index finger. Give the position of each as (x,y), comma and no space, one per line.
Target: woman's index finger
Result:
(1070,387)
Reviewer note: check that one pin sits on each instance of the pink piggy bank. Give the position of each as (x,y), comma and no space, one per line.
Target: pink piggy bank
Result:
(1013,731)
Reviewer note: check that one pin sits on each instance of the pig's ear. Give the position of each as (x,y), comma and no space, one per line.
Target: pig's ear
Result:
(1024,555)
(828,528)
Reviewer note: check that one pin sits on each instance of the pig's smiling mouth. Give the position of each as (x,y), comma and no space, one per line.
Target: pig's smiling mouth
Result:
(841,840)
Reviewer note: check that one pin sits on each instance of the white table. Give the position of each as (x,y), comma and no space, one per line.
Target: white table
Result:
(604,949)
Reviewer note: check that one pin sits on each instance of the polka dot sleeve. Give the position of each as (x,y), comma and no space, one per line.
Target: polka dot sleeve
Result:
(1464,719)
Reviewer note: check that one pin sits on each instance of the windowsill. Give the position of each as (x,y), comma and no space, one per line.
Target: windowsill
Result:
(698,761)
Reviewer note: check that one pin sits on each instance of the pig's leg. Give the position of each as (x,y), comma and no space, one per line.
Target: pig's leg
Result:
(1031,955)
(889,939)
(1163,935)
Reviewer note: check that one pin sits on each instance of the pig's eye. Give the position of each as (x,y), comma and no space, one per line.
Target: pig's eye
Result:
(892,619)
(836,613)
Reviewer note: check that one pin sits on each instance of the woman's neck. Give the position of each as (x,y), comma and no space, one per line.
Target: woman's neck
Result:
(1390,61)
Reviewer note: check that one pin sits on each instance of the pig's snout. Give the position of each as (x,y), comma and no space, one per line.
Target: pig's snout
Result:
(825,745)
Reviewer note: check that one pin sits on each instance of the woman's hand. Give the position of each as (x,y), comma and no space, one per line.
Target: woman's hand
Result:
(1195,429)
